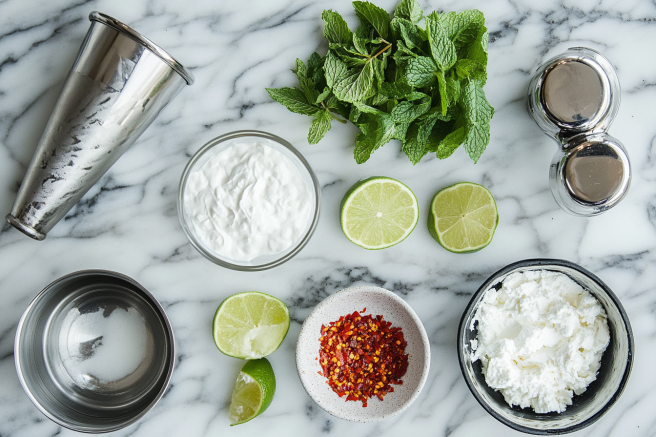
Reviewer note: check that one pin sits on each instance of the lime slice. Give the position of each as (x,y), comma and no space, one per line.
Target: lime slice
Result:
(253,393)
(250,325)
(463,217)
(378,212)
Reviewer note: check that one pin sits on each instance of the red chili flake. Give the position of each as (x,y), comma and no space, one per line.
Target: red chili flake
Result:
(362,356)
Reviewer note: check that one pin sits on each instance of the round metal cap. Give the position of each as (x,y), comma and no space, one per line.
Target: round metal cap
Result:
(591,175)
(577,91)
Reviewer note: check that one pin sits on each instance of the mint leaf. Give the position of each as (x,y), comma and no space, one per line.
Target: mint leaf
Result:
(372,14)
(416,95)
(357,85)
(378,131)
(378,99)
(315,70)
(406,112)
(450,143)
(403,53)
(395,90)
(293,99)
(324,94)
(307,85)
(350,57)
(335,29)
(319,127)
(478,113)
(442,49)
(412,147)
(340,108)
(409,32)
(470,69)
(477,50)
(440,130)
(400,131)
(444,96)
(314,63)
(379,65)
(354,114)
(334,69)
(361,37)
(425,127)
(453,87)
(462,28)
(409,10)
(420,72)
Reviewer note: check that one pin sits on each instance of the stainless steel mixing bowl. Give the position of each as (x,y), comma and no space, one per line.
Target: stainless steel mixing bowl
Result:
(68,324)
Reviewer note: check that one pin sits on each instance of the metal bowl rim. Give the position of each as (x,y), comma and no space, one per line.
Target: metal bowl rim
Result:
(30,307)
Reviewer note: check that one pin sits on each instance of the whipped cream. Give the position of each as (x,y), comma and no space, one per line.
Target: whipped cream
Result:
(247,201)
(540,339)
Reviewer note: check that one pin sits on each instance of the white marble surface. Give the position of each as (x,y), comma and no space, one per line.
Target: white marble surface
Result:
(128,221)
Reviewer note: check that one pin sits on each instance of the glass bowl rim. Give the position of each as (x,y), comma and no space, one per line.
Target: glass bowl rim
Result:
(538,262)
(239,134)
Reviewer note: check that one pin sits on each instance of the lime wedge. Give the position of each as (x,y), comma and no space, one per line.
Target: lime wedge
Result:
(463,217)
(253,393)
(250,325)
(378,212)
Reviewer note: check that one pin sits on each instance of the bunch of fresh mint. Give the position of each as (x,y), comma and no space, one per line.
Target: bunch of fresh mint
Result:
(421,84)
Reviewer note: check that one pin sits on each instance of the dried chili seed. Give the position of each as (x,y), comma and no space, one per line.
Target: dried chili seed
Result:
(364,354)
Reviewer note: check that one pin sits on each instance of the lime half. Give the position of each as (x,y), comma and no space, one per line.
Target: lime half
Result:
(379,212)
(463,217)
(250,325)
(253,393)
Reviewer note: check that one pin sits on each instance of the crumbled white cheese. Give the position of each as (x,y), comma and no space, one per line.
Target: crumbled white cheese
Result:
(540,339)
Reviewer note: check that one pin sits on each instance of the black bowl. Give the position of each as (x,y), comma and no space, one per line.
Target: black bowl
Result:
(586,408)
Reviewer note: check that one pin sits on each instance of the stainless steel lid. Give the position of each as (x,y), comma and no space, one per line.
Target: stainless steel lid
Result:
(591,175)
(576,91)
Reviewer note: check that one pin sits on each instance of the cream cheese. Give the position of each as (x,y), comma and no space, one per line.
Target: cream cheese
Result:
(540,339)
(247,201)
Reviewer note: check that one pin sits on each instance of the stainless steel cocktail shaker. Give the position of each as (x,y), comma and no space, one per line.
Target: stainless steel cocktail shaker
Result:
(574,98)
(118,84)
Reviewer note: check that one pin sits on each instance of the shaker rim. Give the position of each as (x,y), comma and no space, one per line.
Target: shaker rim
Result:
(139,38)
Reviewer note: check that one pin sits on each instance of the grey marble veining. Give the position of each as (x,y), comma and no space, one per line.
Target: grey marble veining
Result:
(128,221)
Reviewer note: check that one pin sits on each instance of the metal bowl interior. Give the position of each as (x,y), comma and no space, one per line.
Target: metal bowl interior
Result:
(601,394)
(94,351)
(223,142)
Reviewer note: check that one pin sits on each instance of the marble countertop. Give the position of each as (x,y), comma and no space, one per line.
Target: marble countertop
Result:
(128,221)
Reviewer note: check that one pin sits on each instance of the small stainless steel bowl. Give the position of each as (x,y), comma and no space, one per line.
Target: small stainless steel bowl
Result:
(58,337)
(221,143)
(601,394)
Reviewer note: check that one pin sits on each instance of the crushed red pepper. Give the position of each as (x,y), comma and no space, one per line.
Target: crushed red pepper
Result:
(362,356)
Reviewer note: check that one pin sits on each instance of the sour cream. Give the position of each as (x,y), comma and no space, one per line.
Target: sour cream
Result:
(247,201)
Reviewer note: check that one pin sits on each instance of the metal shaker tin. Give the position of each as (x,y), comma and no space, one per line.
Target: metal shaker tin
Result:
(573,98)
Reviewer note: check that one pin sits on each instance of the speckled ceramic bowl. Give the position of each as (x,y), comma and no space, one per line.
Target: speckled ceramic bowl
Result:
(393,309)
(601,394)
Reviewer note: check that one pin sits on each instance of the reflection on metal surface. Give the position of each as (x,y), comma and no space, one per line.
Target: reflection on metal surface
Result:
(572,92)
(594,173)
(115,89)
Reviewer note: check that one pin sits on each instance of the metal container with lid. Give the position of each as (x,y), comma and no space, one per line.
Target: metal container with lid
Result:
(573,98)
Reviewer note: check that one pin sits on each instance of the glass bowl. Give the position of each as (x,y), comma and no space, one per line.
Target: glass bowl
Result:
(221,143)
(601,394)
